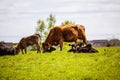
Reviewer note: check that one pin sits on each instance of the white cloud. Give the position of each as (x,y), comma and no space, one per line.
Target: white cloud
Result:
(21,5)
(21,15)
(4,4)
(111,7)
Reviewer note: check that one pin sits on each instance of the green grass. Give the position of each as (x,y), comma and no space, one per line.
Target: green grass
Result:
(61,65)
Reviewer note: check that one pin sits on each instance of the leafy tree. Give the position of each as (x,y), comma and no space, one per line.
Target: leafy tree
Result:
(41,28)
(67,22)
(51,21)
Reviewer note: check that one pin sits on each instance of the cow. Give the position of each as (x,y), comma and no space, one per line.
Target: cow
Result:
(78,49)
(7,49)
(28,41)
(86,49)
(73,48)
(50,49)
(60,34)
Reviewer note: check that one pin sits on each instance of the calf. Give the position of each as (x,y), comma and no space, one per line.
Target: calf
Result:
(6,50)
(73,48)
(78,49)
(28,41)
(50,49)
(87,49)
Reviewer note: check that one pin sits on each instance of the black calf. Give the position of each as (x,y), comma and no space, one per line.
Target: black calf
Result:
(73,48)
(5,49)
(78,49)
(50,49)
(88,48)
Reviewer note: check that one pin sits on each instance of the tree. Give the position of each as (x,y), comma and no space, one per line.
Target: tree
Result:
(51,21)
(41,28)
(67,22)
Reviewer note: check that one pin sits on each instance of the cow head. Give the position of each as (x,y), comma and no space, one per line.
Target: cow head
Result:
(73,46)
(17,50)
(81,33)
(45,46)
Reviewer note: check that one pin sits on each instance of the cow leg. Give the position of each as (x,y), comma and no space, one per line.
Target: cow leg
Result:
(25,50)
(38,48)
(22,51)
(61,45)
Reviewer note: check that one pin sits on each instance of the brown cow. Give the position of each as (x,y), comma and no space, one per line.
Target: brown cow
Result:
(28,41)
(60,34)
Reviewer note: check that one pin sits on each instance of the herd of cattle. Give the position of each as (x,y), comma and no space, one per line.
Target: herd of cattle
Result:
(56,36)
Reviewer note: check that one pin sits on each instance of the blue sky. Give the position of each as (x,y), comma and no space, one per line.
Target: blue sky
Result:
(18,18)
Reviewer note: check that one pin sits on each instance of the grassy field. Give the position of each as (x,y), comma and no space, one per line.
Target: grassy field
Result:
(61,65)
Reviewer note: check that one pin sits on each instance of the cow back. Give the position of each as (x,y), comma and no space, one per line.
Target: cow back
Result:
(54,35)
(70,33)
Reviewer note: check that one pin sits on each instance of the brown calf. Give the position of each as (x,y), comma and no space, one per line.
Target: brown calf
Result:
(28,41)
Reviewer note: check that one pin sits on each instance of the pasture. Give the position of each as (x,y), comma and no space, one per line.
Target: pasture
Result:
(61,65)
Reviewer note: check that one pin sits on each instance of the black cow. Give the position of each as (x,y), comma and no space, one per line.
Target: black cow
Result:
(73,48)
(78,49)
(50,49)
(6,50)
(87,49)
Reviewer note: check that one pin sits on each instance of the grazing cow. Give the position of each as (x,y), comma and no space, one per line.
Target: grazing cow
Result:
(60,34)
(28,41)
(6,49)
